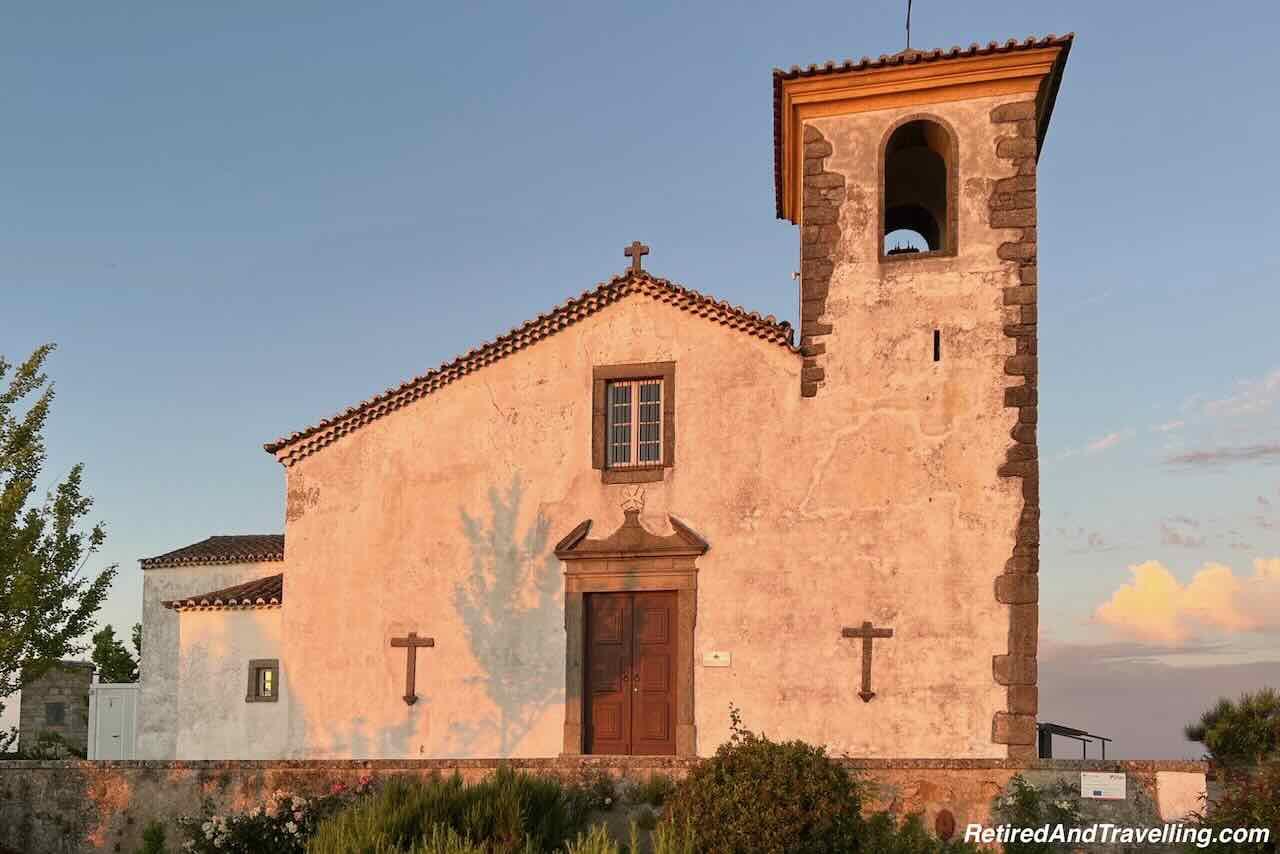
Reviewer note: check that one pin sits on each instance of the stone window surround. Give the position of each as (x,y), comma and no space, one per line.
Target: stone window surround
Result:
(602,375)
(258,664)
(952,225)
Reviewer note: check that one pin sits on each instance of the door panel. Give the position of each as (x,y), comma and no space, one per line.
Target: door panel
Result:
(631,655)
(654,694)
(608,674)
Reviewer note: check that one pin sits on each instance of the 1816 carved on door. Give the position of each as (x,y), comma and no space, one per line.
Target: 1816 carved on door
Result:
(631,686)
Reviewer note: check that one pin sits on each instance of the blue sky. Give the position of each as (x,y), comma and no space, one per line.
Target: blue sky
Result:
(237,218)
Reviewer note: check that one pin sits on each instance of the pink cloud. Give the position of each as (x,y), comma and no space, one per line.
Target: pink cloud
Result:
(1251,396)
(1156,607)
(1108,441)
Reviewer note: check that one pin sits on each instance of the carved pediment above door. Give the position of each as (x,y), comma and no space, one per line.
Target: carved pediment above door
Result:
(631,540)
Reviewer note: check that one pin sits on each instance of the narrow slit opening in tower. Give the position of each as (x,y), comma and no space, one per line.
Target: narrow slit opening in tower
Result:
(937,345)
(915,189)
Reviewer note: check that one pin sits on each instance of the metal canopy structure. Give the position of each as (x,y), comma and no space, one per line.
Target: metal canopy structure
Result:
(1047,731)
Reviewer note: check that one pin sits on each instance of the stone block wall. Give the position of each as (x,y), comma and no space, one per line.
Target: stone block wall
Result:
(64,686)
(72,807)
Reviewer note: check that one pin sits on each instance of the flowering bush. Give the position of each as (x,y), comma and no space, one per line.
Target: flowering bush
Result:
(282,826)
(595,791)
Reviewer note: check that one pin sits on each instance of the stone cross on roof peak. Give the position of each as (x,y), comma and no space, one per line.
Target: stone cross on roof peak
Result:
(635,251)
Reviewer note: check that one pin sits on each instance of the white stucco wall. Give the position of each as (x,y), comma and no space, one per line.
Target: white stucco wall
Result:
(158,691)
(214,721)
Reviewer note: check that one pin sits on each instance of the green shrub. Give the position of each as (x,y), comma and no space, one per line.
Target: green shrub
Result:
(883,834)
(1249,799)
(595,791)
(653,791)
(1026,806)
(594,841)
(756,796)
(50,745)
(507,814)
(445,840)
(153,839)
(668,839)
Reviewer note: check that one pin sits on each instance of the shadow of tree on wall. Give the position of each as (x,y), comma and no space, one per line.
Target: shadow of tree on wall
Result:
(512,607)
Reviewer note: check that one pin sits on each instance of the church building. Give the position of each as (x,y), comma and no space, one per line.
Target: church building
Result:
(597,532)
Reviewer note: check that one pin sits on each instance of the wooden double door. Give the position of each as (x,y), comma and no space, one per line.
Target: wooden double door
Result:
(631,673)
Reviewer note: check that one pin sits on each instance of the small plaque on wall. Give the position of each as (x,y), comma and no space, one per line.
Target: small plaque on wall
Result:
(1107,787)
(716,659)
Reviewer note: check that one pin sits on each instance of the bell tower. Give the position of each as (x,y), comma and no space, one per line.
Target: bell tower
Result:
(913,180)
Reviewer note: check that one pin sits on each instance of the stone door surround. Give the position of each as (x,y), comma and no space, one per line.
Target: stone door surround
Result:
(630,559)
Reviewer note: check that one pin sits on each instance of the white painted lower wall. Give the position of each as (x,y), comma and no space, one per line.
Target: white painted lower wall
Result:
(157,713)
(214,720)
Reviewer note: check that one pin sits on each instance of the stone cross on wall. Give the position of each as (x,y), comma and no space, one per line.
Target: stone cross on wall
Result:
(635,251)
(411,643)
(866,631)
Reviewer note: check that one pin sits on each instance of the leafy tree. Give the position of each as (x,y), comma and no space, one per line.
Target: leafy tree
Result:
(46,604)
(1244,732)
(114,662)
(1250,799)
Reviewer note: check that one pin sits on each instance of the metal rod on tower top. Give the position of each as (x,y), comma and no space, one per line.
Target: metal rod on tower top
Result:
(908,24)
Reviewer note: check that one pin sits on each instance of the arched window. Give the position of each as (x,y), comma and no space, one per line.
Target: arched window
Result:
(918,159)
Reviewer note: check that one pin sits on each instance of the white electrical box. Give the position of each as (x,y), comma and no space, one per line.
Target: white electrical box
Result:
(112,720)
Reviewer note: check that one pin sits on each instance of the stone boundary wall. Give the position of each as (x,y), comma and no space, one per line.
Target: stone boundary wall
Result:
(70,807)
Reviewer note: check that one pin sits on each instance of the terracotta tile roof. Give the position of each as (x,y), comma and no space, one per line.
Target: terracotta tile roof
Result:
(904,57)
(289,449)
(260,593)
(239,548)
